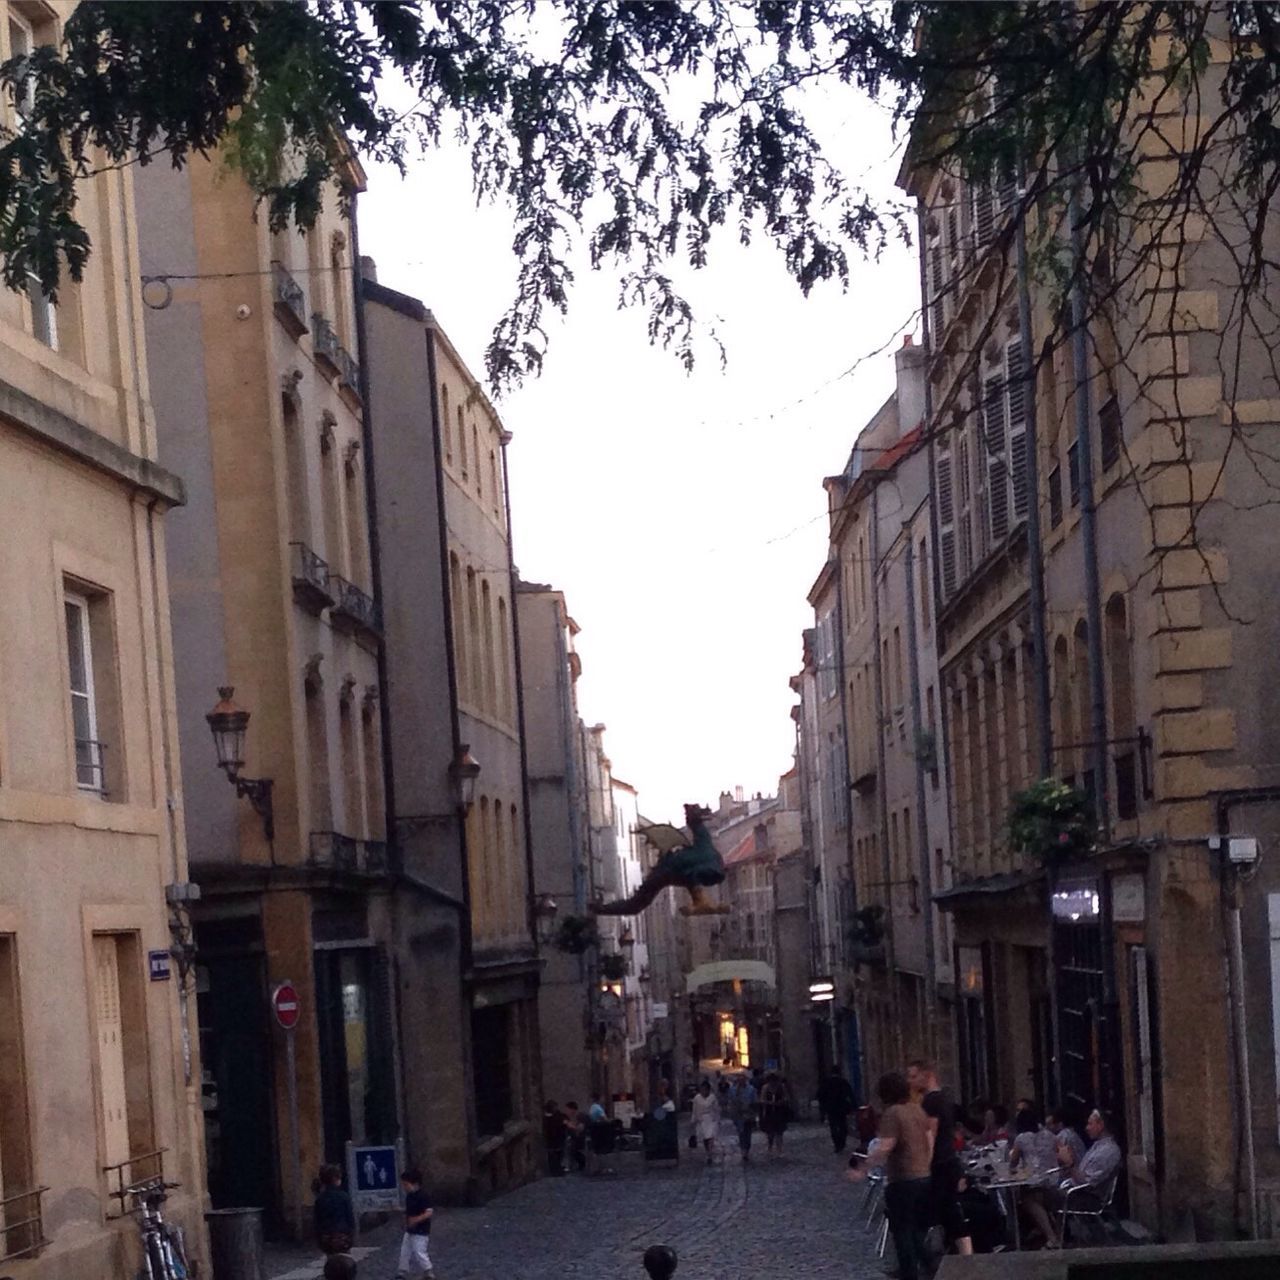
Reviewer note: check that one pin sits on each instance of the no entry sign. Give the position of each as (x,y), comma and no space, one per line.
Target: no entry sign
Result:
(285,1005)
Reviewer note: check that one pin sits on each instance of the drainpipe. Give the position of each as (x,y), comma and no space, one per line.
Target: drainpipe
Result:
(1229,888)
(922,816)
(881,719)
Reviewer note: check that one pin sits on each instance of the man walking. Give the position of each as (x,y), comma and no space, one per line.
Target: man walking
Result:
(742,1111)
(945,1169)
(836,1103)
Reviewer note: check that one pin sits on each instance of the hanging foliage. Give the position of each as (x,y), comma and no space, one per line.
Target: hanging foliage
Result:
(1052,821)
(613,967)
(575,935)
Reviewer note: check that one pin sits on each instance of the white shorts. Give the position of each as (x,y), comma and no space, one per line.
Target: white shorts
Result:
(415,1261)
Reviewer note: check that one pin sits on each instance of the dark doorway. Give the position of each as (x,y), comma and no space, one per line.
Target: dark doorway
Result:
(491,1067)
(236,1086)
(1078,956)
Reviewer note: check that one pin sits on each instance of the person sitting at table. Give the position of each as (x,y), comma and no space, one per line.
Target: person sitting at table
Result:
(1059,1123)
(995,1125)
(1096,1170)
(1034,1148)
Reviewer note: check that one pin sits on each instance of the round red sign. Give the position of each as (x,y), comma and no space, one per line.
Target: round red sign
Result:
(285,1005)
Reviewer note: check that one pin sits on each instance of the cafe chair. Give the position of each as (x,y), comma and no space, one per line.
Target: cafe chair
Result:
(1087,1203)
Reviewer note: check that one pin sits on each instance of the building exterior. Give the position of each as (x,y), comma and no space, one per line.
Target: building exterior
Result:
(634,943)
(876,638)
(558,816)
(258,406)
(98,1065)
(466,951)
(1112,978)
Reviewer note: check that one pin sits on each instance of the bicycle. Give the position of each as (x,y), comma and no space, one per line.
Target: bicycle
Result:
(164,1256)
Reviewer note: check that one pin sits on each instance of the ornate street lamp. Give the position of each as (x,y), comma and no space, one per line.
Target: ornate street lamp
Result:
(229,724)
(628,939)
(545,909)
(464,771)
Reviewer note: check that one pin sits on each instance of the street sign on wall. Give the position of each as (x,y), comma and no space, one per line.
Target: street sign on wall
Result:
(286,1005)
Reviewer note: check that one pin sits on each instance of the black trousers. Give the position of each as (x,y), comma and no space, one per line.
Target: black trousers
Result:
(839,1126)
(945,1195)
(907,1205)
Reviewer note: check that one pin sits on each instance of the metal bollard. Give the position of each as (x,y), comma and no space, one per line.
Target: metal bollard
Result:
(235,1244)
(660,1261)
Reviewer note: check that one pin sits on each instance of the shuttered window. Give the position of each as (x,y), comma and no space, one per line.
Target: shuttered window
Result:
(1016,398)
(946,500)
(964,505)
(984,214)
(994,429)
(109,1018)
(937,284)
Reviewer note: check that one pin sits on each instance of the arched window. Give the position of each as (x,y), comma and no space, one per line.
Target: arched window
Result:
(331,497)
(1081,731)
(357,525)
(490,682)
(474,644)
(296,472)
(1123,717)
(504,663)
(352,788)
(318,755)
(475,454)
(478,862)
(462,445)
(1064,721)
(444,419)
(340,283)
(461,657)
(373,801)
(494,487)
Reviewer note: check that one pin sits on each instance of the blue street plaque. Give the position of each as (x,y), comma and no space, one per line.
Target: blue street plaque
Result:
(373,1177)
(158,965)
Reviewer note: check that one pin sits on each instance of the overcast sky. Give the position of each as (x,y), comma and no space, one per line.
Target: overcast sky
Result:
(682,515)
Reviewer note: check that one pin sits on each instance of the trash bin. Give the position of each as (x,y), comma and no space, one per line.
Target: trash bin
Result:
(235,1244)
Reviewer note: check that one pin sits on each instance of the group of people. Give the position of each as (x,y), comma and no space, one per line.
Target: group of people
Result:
(335,1224)
(760,1100)
(921,1140)
(573,1139)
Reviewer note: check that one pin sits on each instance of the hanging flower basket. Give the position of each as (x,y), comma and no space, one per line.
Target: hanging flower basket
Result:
(613,967)
(575,935)
(1052,821)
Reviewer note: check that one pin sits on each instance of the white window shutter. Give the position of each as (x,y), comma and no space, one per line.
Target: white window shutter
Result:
(984,214)
(110,1027)
(1016,389)
(994,431)
(946,500)
(937,285)
(964,489)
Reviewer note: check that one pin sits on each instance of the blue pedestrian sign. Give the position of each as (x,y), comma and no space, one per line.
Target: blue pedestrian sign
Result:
(373,1177)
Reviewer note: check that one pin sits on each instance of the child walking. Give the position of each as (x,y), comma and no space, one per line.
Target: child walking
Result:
(415,1260)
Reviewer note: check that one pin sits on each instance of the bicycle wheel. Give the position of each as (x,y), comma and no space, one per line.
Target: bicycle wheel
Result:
(156,1268)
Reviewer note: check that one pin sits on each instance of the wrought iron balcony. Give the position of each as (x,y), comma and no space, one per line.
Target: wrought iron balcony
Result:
(290,301)
(348,373)
(22,1224)
(333,851)
(91,766)
(324,343)
(352,606)
(310,578)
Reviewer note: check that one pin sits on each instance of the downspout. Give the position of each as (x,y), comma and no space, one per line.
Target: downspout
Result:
(922,816)
(881,719)
(1230,899)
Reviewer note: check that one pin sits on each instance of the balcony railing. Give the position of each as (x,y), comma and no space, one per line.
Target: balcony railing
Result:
(333,851)
(310,578)
(348,372)
(353,606)
(22,1225)
(290,301)
(91,766)
(324,343)
(129,1178)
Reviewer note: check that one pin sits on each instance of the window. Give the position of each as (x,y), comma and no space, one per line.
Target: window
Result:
(944,497)
(84,710)
(475,454)
(124,1085)
(490,678)
(371,742)
(15,1123)
(444,418)
(504,663)
(827,676)
(44,315)
(352,768)
(495,488)
(1055,497)
(1073,471)
(318,754)
(926,617)
(897,667)
(462,445)
(461,653)
(357,527)
(296,472)
(331,497)
(931,726)
(1123,720)
(22,43)
(1110,433)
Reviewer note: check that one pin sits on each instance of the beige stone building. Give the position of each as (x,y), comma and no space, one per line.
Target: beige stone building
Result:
(465,944)
(258,406)
(1113,980)
(98,1070)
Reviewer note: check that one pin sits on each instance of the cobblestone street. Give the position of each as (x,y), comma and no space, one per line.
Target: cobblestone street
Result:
(793,1216)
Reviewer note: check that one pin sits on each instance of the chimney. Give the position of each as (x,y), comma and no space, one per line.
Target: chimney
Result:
(909,364)
(737,794)
(368,268)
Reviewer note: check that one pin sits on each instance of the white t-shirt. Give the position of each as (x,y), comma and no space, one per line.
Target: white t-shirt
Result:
(706,1116)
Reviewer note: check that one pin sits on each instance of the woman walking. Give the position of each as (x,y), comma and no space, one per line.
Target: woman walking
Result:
(706,1119)
(775,1111)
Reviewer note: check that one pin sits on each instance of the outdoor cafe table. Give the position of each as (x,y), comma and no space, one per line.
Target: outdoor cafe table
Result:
(991,1173)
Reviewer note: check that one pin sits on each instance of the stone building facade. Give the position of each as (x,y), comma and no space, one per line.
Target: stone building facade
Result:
(259,407)
(99,1069)
(466,951)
